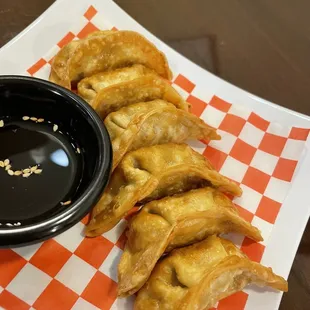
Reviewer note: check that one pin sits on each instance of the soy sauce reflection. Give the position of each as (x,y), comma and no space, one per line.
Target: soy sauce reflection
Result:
(26,144)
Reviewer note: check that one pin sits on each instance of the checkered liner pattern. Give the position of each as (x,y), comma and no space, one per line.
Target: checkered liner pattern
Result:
(71,271)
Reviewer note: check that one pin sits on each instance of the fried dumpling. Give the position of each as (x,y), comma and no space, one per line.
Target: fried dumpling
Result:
(99,33)
(142,89)
(197,276)
(59,74)
(89,87)
(172,222)
(103,52)
(155,122)
(151,173)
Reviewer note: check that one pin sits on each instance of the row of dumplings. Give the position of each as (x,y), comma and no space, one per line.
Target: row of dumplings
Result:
(173,256)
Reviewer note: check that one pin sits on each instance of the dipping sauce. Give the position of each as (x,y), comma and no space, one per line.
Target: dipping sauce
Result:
(29,143)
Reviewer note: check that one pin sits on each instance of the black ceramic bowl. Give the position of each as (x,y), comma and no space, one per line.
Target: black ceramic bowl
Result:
(55,159)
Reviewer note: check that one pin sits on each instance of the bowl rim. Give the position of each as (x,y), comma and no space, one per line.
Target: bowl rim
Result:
(62,221)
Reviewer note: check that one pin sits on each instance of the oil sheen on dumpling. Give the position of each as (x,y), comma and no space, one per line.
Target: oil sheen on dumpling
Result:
(145,88)
(89,87)
(198,276)
(155,122)
(59,69)
(151,173)
(172,222)
(106,51)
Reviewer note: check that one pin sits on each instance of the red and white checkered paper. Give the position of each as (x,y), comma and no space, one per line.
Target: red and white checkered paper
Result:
(73,272)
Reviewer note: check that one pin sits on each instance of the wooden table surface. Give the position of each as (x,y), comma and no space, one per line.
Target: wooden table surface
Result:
(262,46)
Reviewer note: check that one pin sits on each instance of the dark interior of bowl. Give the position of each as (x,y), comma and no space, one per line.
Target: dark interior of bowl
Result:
(51,151)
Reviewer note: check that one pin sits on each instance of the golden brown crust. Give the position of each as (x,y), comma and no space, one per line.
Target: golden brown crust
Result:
(197,276)
(150,123)
(173,222)
(89,87)
(151,173)
(59,71)
(145,88)
(106,51)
